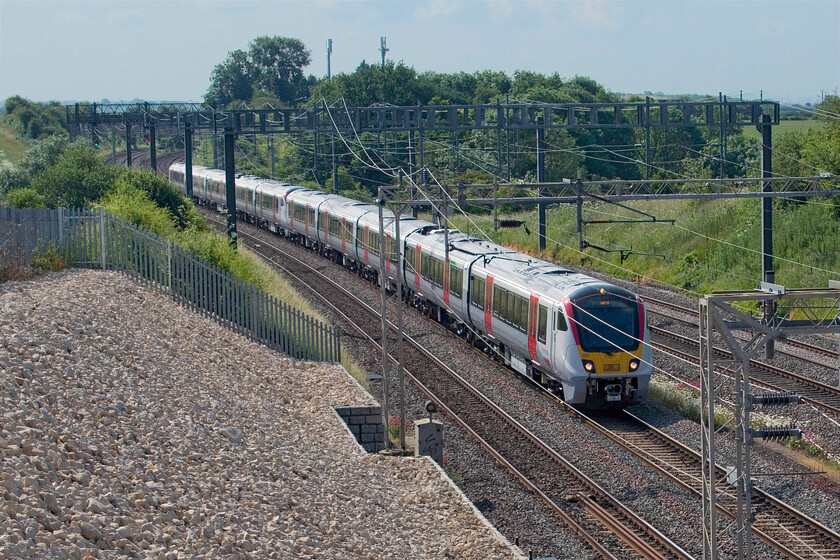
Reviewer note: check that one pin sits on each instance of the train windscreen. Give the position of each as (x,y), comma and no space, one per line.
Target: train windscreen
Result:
(607,323)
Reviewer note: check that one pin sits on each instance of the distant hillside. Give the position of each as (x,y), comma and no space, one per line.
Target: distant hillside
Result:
(12,145)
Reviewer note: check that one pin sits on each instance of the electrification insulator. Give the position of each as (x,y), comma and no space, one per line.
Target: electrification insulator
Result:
(510,223)
(424,176)
(775,399)
(777,432)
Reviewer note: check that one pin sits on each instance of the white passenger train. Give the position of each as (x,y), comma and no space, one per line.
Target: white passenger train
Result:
(568,330)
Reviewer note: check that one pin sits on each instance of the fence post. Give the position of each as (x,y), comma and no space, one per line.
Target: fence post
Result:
(254,313)
(61,227)
(169,266)
(102,237)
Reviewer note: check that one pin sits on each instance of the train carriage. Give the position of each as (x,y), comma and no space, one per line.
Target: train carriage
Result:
(570,331)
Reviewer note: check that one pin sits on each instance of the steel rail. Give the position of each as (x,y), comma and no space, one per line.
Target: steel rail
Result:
(629,531)
(682,465)
(684,469)
(820,395)
(832,354)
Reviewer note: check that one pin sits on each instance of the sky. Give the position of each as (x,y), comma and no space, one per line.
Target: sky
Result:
(156,51)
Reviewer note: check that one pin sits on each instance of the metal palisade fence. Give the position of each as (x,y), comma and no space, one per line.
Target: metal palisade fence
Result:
(102,240)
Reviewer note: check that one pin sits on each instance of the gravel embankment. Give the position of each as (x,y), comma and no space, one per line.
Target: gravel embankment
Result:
(133,427)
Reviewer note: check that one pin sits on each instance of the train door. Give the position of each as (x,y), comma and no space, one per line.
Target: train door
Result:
(533,305)
(417,258)
(539,332)
(562,339)
(488,305)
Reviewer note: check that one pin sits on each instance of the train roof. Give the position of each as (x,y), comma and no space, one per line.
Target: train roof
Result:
(547,278)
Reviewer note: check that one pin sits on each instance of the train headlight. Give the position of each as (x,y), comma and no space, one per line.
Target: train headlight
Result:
(589,366)
(634,364)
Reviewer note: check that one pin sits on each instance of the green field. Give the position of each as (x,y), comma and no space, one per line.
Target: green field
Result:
(714,245)
(783,127)
(12,146)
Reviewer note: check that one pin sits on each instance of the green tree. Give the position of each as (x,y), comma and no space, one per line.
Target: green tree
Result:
(37,120)
(271,64)
(231,80)
(821,146)
(277,65)
(394,83)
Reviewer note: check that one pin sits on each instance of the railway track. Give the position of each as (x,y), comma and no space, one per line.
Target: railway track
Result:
(611,529)
(691,317)
(820,395)
(786,530)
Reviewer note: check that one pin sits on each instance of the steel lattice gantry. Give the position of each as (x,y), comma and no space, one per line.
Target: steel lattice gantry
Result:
(507,116)
(794,312)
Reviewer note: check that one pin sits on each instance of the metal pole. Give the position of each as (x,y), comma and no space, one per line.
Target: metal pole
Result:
(495,206)
(499,122)
(726,121)
(507,135)
(271,150)
(329,52)
(400,338)
(412,167)
(230,185)
(334,167)
(579,190)
(383,311)
(127,145)
(420,133)
(152,151)
(647,137)
(741,434)
(541,179)
(769,274)
(722,131)
(188,178)
(707,431)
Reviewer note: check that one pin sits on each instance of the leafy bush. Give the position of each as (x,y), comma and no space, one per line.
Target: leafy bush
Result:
(164,194)
(78,179)
(25,198)
(15,267)
(47,257)
(131,203)
(215,249)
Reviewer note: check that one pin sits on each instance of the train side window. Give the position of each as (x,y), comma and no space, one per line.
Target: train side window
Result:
(542,324)
(478,286)
(456,280)
(523,314)
(561,322)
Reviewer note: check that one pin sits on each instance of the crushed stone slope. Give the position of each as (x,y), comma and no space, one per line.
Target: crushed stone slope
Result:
(134,427)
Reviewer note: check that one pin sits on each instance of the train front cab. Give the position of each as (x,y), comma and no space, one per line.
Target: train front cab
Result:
(605,360)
